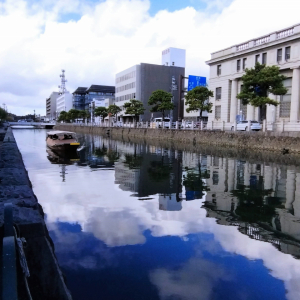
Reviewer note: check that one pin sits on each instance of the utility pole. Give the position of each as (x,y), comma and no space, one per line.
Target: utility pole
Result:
(181,91)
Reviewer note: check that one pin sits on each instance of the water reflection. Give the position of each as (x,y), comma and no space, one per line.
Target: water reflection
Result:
(130,222)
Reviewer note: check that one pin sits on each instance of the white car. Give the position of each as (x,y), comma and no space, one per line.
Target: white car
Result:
(243,126)
(167,122)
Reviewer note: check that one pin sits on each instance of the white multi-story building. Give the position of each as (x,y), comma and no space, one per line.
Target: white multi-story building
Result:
(173,57)
(64,102)
(51,106)
(280,48)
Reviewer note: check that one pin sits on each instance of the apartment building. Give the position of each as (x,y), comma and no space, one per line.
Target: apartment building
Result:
(51,106)
(139,81)
(227,66)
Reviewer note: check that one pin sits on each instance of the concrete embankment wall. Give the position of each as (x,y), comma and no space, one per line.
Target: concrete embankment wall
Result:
(238,140)
(46,280)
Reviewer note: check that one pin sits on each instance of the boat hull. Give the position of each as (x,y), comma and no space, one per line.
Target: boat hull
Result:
(61,147)
(64,148)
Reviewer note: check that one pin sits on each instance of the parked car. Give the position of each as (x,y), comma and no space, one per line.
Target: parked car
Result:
(243,126)
(167,122)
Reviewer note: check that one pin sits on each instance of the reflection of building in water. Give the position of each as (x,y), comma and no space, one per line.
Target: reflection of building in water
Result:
(161,173)
(256,193)
(98,152)
(221,183)
(169,202)
(128,179)
(148,170)
(255,232)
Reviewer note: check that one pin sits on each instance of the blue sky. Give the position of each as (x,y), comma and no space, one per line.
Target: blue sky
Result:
(155,7)
(172,5)
(94,40)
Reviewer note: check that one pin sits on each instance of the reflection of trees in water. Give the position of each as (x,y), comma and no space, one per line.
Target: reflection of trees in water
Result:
(112,155)
(252,205)
(194,180)
(100,151)
(159,171)
(133,161)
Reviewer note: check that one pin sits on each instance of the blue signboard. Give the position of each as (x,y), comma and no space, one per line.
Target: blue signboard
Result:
(196,81)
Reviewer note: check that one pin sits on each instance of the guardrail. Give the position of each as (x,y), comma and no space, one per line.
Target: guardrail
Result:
(155,125)
(31,123)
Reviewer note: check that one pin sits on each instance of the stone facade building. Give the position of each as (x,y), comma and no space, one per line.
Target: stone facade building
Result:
(280,48)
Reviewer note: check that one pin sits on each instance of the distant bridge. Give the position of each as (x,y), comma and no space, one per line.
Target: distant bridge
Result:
(33,124)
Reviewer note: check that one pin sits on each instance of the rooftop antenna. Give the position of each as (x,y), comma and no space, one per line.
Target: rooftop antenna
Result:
(63,83)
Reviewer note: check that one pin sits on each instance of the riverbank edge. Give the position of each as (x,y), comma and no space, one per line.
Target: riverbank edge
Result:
(46,279)
(257,141)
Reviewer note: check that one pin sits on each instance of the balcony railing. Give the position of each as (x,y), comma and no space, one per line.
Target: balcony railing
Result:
(266,39)
(285,33)
(262,40)
(242,46)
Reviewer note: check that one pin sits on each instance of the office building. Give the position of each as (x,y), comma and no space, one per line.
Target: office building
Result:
(98,92)
(64,102)
(79,98)
(51,106)
(139,81)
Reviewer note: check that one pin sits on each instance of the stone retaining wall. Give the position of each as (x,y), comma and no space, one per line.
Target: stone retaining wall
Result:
(46,280)
(238,140)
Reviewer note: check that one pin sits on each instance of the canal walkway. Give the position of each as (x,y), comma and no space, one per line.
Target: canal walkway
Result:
(45,280)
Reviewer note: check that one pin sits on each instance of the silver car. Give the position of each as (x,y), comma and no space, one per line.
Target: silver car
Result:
(243,126)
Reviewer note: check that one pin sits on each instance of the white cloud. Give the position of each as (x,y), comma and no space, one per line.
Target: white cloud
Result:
(113,35)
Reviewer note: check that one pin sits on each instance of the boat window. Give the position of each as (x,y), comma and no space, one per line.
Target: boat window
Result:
(54,137)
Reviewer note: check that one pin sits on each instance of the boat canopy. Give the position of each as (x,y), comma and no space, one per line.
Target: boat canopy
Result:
(58,133)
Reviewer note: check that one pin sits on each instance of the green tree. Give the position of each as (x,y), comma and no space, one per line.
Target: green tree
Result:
(198,99)
(114,110)
(161,102)
(134,107)
(101,111)
(83,114)
(73,114)
(258,82)
(3,114)
(63,116)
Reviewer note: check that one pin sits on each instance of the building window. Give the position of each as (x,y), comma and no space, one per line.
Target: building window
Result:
(243,110)
(238,65)
(218,93)
(285,100)
(257,58)
(215,178)
(264,58)
(218,70)
(244,63)
(287,53)
(279,55)
(217,112)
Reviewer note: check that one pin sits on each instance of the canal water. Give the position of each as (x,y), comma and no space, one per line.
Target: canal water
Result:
(137,221)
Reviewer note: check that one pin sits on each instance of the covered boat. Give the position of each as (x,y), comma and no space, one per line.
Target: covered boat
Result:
(62,141)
